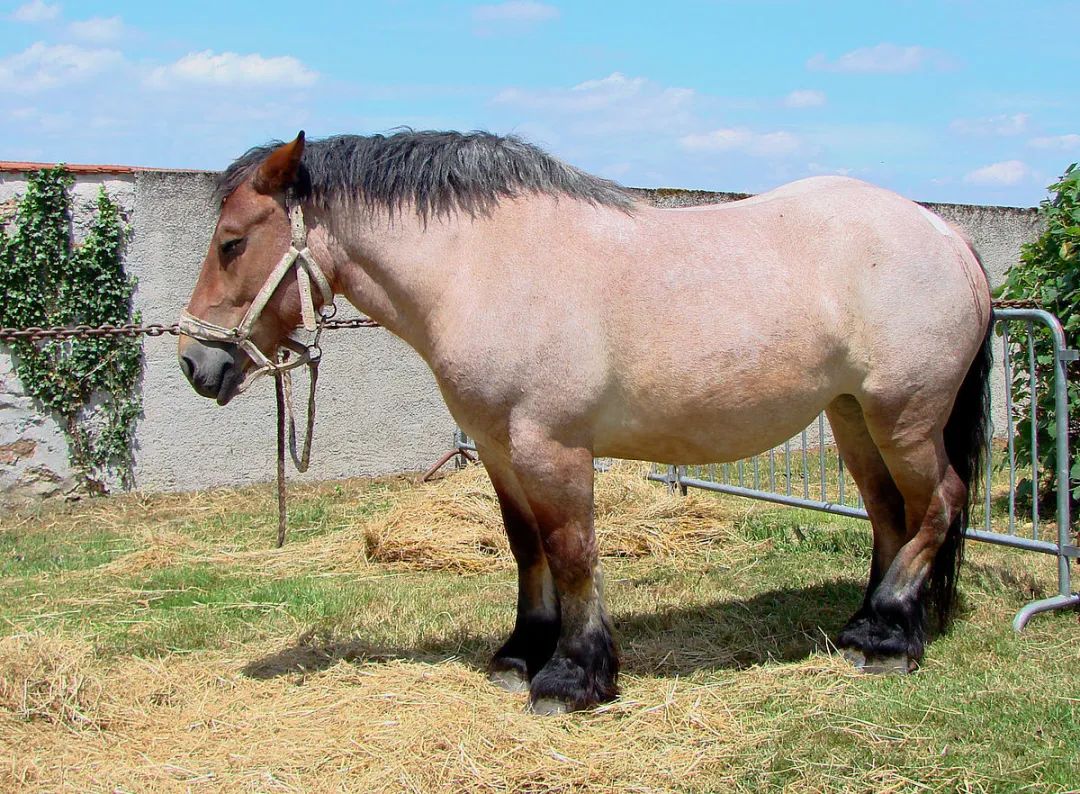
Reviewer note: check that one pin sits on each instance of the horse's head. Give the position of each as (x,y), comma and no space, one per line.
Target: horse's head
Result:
(253,235)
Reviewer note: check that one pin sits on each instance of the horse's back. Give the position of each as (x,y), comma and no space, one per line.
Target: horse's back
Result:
(859,256)
(765,310)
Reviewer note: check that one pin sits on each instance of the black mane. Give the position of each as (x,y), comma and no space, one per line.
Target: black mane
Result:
(437,172)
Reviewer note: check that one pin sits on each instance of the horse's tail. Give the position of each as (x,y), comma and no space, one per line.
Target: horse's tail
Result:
(967,437)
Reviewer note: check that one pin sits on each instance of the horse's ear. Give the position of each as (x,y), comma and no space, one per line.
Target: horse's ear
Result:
(279,170)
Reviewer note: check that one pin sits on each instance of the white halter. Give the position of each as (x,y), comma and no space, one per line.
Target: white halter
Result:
(306,272)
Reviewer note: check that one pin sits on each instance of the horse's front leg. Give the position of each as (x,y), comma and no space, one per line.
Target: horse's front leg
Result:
(536,629)
(557,480)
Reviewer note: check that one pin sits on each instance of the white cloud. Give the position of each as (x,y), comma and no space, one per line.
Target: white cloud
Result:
(43,66)
(611,104)
(1002,124)
(515,11)
(98,29)
(882,59)
(1063,143)
(36,11)
(232,69)
(805,98)
(1008,172)
(740,139)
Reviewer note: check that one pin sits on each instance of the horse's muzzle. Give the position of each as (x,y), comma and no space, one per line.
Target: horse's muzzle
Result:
(211,368)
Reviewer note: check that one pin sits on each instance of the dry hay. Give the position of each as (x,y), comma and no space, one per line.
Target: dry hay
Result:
(455,524)
(160,549)
(196,723)
(44,677)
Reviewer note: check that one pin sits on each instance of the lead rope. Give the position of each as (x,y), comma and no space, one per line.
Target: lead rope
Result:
(303,460)
(279,393)
(283,395)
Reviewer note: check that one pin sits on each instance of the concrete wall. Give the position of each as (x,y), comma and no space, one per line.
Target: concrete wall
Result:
(379,408)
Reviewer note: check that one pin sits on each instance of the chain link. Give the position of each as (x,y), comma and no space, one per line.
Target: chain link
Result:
(358,322)
(1018,303)
(38,334)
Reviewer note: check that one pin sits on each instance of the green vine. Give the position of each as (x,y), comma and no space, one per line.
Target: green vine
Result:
(45,279)
(1049,272)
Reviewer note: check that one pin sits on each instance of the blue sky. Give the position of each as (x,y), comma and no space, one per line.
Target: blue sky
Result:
(955,100)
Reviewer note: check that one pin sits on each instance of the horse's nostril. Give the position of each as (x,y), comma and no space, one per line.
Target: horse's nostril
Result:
(187,366)
(210,369)
(226,371)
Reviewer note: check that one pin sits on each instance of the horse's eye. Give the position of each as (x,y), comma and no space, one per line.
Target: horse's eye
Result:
(232,248)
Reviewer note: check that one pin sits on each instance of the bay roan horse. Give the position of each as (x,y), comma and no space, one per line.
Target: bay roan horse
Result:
(563,319)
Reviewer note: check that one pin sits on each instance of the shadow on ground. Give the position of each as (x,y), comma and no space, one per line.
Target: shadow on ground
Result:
(776,626)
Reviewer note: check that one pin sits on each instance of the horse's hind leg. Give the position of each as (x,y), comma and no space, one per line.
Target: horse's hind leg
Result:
(536,628)
(558,482)
(882,499)
(889,632)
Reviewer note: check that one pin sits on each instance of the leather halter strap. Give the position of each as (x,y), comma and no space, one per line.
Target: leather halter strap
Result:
(307,271)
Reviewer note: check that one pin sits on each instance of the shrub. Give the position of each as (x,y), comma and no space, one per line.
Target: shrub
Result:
(1049,274)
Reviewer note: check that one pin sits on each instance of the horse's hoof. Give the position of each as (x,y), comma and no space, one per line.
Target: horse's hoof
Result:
(546,707)
(509,680)
(880,665)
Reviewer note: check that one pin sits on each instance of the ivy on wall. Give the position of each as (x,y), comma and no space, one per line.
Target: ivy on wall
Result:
(46,279)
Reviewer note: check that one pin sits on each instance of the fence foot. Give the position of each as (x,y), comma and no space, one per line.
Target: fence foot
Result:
(464,453)
(674,479)
(1044,605)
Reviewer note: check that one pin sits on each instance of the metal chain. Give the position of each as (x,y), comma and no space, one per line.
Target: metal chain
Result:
(38,334)
(359,322)
(1018,303)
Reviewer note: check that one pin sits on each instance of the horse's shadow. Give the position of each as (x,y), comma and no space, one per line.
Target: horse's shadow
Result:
(776,626)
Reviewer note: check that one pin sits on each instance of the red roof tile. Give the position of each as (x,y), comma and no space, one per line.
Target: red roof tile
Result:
(7,166)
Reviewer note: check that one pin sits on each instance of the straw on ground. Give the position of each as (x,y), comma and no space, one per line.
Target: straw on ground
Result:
(160,644)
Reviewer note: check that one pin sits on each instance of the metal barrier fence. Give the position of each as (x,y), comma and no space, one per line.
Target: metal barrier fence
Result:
(807,472)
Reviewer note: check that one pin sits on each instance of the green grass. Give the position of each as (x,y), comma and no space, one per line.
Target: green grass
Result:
(33,552)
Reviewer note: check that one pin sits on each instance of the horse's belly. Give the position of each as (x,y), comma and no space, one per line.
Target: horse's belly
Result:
(707,430)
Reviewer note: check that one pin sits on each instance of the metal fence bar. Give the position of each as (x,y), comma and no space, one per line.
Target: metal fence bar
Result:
(779,498)
(805,479)
(1034,408)
(1010,428)
(1066,551)
(988,468)
(787,466)
(840,478)
(821,455)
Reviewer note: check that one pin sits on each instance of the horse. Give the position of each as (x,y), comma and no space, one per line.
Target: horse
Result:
(564,319)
